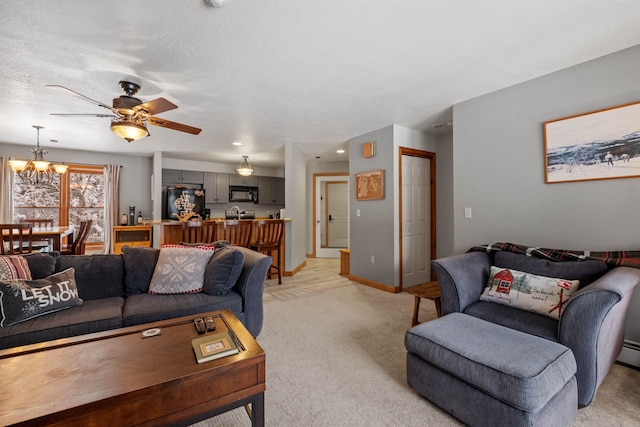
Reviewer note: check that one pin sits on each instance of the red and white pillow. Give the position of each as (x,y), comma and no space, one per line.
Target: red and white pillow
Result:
(14,267)
(529,292)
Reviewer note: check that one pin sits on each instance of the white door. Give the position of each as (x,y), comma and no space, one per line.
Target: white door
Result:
(416,220)
(321,218)
(337,214)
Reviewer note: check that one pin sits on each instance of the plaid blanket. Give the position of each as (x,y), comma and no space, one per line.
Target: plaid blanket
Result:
(612,258)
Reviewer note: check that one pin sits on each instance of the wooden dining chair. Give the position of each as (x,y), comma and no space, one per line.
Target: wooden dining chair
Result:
(270,232)
(41,223)
(16,239)
(237,232)
(77,247)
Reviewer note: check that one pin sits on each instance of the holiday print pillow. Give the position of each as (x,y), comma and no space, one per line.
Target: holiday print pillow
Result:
(530,292)
(180,269)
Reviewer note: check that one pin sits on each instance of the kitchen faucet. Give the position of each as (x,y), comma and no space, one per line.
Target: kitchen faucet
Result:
(237,208)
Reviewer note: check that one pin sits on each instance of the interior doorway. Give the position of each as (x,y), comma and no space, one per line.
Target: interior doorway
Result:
(417,217)
(331,214)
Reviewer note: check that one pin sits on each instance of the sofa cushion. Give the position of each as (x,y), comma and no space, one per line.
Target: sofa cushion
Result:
(92,316)
(180,269)
(14,267)
(529,292)
(514,318)
(22,300)
(139,264)
(145,308)
(585,271)
(98,276)
(42,264)
(223,270)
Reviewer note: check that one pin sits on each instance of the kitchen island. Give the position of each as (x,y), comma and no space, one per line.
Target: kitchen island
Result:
(172,234)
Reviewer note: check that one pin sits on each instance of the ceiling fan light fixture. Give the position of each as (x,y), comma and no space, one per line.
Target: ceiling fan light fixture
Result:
(129,131)
(244,168)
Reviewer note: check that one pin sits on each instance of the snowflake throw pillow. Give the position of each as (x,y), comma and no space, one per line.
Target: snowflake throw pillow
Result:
(180,269)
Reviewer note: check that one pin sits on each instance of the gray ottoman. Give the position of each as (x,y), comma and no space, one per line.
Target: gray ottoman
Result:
(488,375)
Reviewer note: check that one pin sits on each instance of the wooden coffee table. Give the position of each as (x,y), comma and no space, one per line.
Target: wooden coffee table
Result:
(118,378)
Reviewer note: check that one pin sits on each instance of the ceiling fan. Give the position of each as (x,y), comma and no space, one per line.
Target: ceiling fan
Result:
(130,115)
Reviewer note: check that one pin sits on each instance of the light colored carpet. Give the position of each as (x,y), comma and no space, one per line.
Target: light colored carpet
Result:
(336,357)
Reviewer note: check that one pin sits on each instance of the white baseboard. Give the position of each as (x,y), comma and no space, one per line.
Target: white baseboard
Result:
(630,354)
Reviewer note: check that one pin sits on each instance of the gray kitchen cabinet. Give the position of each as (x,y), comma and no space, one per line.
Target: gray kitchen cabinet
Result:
(216,187)
(247,181)
(176,176)
(271,190)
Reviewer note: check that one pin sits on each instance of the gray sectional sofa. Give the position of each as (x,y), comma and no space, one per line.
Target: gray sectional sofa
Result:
(114,293)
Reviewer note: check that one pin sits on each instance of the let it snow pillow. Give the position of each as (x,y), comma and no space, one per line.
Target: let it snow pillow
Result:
(180,269)
(22,300)
(529,292)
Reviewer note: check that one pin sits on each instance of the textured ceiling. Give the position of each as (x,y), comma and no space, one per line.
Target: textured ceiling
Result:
(270,72)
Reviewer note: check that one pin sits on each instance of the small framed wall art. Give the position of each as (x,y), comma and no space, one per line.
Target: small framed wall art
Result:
(603,144)
(370,185)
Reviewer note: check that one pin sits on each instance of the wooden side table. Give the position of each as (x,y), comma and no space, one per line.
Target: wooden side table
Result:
(430,290)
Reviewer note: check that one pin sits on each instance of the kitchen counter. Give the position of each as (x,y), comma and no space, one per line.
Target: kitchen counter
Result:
(172,234)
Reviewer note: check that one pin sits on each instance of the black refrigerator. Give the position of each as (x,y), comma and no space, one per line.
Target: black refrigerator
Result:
(180,200)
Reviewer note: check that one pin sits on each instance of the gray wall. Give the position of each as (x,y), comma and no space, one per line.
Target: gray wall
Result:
(295,236)
(444,195)
(376,231)
(498,164)
(372,233)
(135,175)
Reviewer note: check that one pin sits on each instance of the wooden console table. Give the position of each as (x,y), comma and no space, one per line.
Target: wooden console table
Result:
(131,235)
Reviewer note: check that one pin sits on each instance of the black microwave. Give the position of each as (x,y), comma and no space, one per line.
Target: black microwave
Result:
(239,193)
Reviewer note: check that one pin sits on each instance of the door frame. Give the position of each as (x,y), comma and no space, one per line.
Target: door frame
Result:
(405,151)
(318,180)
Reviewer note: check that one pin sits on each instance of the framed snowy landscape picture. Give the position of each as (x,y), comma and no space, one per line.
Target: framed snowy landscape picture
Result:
(603,144)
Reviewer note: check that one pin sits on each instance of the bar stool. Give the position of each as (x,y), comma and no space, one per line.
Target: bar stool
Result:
(208,231)
(237,232)
(270,232)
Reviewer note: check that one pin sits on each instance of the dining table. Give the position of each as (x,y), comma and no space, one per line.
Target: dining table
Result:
(56,234)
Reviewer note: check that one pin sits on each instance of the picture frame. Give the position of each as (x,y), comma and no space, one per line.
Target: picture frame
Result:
(370,185)
(602,144)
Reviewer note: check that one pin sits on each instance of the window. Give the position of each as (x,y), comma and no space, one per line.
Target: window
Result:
(70,198)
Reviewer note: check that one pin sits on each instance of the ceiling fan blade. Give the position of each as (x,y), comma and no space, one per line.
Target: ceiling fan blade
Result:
(173,125)
(78,94)
(156,106)
(84,115)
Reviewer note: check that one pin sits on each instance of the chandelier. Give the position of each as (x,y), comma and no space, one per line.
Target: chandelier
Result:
(244,168)
(36,171)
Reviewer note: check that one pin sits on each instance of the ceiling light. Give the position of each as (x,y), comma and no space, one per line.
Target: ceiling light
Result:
(237,143)
(244,168)
(37,171)
(129,130)
(341,151)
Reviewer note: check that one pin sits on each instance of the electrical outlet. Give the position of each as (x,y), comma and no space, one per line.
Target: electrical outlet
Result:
(373,259)
(467,213)
(357,212)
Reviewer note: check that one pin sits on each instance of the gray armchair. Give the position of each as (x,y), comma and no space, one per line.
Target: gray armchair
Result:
(591,325)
